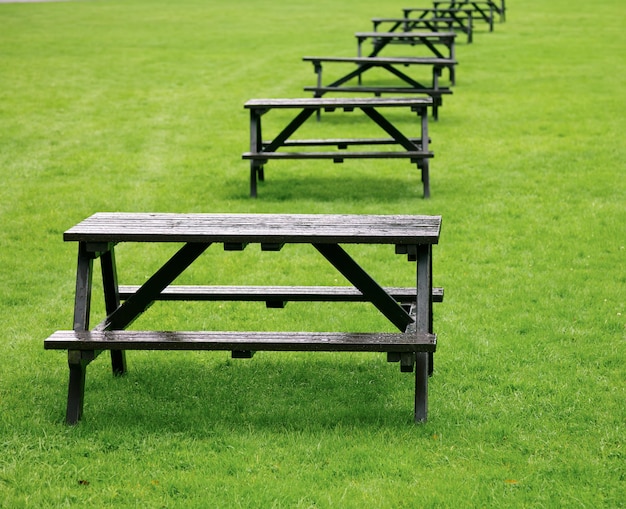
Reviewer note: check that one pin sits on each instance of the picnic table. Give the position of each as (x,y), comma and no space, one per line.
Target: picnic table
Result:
(457,19)
(396,66)
(484,8)
(440,44)
(481,10)
(282,146)
(409,310)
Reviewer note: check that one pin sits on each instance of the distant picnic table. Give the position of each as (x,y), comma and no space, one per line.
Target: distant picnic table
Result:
(281,146)
(440,44)
(408,85)
(484,8)
(435,20)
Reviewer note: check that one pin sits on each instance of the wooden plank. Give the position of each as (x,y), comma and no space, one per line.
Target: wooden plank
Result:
(265,228)
(410,20)
(276,293)
(254,341)
(435,11)
(382,90)
(338,155)
(407,35)
(338,102)
(436,61)
(343,142)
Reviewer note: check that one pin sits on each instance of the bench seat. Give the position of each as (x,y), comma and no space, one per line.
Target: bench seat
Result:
(342,142)
(409,342)
(382,90)
(436,61)
(276,293)
(338,156)
(333,103)
(409,36)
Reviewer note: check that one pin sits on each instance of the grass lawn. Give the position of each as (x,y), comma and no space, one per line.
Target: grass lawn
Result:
(137,105)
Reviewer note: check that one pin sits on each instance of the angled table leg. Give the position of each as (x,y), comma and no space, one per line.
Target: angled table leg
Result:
(425,141)
(386,304)
(256,145)
(78,360)
(112,302)
(145,296)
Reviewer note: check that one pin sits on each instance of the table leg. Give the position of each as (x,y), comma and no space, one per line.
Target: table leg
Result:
(436,98)
(77,361)
(82,296)
(112,302)
(425,141)
(317,68)
(421,386)
(452,67)
(256,146)
(423,323)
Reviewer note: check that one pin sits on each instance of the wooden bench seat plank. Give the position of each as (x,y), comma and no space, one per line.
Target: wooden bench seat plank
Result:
(242,341)
(342,142)
(460,14)
(411,20)
(338,103)
(281,293)
(337,155)
(380,90)
(408,35)
(435,61)
(256,228)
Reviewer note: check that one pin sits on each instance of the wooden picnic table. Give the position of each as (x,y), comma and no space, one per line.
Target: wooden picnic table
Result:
(481,10)
(484,8)
(436,20)
(282,146)
(409,310)
(395,66)
(440,44)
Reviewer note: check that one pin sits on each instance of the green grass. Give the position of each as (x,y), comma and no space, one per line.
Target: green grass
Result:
(138,106)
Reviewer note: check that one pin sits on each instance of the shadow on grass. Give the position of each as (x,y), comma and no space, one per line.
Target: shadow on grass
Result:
(348,184)
(197,392)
